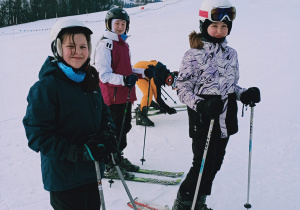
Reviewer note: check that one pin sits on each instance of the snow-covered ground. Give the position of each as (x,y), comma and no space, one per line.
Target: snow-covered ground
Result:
(265,34)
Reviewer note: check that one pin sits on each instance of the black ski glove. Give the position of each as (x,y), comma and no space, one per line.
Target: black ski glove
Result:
(170,110)
(149,71)
(96,147)
(250,95)
(211,107)
(130,80)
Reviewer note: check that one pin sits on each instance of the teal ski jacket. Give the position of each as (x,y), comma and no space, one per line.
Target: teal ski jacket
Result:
(59,114)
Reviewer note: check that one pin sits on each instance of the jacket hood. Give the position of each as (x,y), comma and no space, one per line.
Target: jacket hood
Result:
(161,73)
(49,67)
(197,41)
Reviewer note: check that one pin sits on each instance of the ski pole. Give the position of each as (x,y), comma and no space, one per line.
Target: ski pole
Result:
(122,127)
(203,162)
(252,105)
(97,166)
(164,97)
(169,96)
(124,117)
(143,159)
(123,181)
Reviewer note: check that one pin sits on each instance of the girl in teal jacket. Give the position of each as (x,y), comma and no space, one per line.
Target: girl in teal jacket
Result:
(67,121)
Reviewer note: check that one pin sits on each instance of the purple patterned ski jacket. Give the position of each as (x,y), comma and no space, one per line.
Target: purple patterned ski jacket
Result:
(212,70)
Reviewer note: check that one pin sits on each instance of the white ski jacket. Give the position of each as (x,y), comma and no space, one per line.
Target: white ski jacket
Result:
(102,60)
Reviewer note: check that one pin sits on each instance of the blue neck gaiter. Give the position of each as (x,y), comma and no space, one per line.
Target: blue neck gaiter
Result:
(76,77)
(124,36)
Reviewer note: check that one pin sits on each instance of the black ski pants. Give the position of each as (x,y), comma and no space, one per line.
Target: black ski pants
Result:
(85,197)
(117,113)
(214,159)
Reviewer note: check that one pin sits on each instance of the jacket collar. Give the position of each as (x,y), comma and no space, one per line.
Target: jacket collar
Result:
(113,36)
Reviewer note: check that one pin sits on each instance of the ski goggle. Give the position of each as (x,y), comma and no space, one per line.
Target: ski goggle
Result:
(169,80)
(218,14)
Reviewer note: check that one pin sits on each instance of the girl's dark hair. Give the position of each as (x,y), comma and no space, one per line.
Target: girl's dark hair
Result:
(72,31)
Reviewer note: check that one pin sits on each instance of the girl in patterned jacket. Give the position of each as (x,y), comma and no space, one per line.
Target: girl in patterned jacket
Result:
(207,84)
(117,78)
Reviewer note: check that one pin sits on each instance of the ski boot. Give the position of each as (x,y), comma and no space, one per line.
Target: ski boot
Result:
(127,165)
(154,105)
(181,204)
(142,119)
(112,173)
(200,204)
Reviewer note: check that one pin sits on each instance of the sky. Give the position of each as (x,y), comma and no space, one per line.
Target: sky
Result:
(264,34)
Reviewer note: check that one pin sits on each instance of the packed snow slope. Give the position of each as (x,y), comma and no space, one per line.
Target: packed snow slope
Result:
(265,37)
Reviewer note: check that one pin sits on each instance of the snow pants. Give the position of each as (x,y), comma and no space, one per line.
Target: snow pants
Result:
(117,113)
(85,197)
(214,159)
(143,84)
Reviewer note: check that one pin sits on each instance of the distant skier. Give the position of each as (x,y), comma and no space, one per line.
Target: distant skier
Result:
(207,84)
(67,121)
(117,78)
(162,76)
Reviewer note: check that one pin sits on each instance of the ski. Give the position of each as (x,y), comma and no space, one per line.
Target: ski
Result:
(151,109)
(160,173)
(144,205)
(159,112)
(150,180)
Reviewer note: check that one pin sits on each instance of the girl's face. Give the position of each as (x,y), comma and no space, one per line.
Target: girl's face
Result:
(75,51)
(119,26)
(217,29)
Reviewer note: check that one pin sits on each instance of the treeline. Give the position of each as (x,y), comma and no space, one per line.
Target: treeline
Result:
(14,12)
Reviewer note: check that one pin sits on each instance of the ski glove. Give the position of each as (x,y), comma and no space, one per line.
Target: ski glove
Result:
(130,80)
(250,95)
(96,147)
(211,107)
(149,71)
(170,110)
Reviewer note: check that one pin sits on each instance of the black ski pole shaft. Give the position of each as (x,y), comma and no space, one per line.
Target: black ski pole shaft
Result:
(97,166)
(143,159)
(248,205)
(122,127)
(169,96)
(124,117)
(164,96)
(123,182)
(211,125)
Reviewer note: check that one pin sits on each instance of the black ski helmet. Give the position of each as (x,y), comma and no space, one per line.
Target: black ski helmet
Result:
(117,13)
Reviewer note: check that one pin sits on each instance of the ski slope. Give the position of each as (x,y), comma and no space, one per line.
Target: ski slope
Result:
(265,35)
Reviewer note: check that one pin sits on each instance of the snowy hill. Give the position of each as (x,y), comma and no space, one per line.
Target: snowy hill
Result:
(265,37)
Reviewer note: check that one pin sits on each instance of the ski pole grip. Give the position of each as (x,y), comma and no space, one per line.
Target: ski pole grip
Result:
(252,104)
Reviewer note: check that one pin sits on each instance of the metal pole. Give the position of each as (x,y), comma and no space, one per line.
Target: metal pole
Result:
(143,159)
(248,205)
(169,96)
(98,172)
(124,117)
(123,181)
(122,127)
(203,162)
